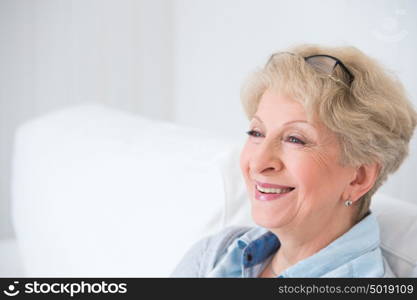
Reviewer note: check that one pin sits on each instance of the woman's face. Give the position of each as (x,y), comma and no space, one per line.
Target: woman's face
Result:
(288,151)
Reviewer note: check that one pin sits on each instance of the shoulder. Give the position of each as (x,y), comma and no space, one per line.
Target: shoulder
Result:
(371,264)
(204,253)
(368,264)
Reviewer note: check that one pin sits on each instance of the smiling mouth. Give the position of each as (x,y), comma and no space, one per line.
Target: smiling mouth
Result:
(274,190)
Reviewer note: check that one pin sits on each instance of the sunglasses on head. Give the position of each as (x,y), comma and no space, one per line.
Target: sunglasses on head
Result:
(325,64)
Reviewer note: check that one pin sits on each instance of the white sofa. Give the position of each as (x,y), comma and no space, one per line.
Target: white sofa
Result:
(105,193)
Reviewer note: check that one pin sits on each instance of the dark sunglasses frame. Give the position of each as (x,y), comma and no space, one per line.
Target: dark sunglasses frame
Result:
(337,62)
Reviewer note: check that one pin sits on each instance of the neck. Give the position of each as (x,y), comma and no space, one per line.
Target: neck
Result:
(301,240)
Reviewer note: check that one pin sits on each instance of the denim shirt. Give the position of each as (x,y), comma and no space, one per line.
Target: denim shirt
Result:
(245,251)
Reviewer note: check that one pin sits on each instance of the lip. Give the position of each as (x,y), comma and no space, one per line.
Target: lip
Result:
(270,185)
(268,197)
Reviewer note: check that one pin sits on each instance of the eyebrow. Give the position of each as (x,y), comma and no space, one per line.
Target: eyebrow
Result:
(286,123)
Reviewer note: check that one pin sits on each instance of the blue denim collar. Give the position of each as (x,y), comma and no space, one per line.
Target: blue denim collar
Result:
(258,250)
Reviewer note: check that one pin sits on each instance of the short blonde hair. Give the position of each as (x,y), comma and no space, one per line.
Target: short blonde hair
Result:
(373,118)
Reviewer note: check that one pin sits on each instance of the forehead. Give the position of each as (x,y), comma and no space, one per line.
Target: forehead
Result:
(274,106)
(276,110)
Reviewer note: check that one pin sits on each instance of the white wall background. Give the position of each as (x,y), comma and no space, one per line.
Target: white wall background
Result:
(179,60)
(56,53)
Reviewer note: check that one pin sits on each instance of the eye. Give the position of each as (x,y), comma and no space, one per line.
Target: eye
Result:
(294,140)
(254,133)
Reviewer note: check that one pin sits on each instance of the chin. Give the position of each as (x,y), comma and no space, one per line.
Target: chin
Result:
(267,219)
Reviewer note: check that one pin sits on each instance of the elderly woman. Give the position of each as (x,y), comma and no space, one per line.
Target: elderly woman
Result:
(327,127)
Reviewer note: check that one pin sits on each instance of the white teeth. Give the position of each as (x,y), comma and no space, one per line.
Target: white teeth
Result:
(273,191)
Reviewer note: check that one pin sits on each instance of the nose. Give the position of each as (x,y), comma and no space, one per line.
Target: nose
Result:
(266,159)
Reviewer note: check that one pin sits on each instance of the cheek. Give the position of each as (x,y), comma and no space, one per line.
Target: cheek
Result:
(306,171)
(244,161)
(319,181)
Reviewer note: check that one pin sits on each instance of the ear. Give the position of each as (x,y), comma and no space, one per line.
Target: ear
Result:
(363,180)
